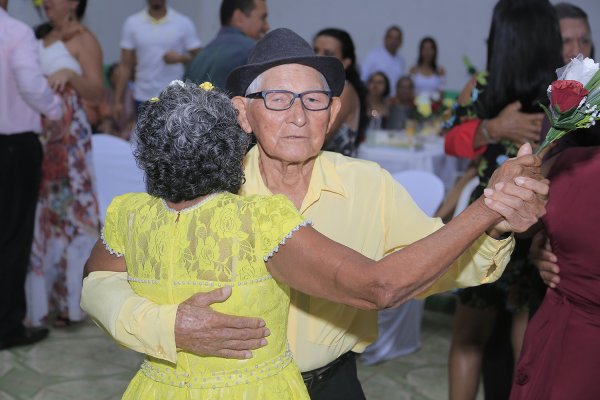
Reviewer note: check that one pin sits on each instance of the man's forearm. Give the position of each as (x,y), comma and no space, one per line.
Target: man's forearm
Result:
(483,262)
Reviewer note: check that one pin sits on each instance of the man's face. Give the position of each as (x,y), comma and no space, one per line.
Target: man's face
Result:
(157,4)
(294,135)
(405,91)
(255,25)
(576,38)
(393,40)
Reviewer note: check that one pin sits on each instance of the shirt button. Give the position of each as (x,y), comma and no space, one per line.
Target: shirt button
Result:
(160,350)
(522,378)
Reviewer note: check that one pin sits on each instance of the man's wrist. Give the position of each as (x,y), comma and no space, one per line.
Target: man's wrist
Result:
(498,234)
(486,133)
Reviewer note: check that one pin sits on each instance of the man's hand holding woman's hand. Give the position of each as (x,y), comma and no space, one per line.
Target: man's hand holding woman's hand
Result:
(518,192)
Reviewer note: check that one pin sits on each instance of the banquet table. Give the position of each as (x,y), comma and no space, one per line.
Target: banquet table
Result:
(427,156)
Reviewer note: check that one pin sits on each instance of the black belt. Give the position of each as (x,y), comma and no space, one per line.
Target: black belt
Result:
(322,374)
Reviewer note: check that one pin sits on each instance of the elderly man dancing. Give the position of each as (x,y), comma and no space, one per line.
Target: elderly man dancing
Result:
(279,96)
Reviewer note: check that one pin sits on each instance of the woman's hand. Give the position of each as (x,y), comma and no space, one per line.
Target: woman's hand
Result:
(173,57)
(541,255)
(515,125)
(60,78)
(518,192)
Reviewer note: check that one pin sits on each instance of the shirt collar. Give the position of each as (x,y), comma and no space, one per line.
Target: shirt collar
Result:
(158,21)
(324,178)
(231,30)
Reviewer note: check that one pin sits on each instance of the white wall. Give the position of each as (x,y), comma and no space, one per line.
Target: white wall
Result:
(459,26)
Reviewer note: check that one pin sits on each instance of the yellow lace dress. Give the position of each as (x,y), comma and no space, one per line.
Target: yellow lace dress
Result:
(223,240)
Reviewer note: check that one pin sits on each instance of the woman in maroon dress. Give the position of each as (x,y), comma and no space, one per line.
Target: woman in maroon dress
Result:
(561,352)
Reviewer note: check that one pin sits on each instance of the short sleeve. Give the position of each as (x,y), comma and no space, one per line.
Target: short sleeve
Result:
(113,232)
(128,37)
(275,219)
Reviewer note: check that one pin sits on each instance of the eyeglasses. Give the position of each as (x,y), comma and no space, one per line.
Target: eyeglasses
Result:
(280,100)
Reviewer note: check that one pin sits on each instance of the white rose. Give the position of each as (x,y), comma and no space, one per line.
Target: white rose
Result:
(579,69)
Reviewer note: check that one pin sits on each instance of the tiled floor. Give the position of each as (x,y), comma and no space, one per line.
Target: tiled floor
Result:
(82,363)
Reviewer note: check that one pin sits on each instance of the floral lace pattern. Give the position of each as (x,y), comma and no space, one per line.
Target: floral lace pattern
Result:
(172,256)
(286,237)
(107,247)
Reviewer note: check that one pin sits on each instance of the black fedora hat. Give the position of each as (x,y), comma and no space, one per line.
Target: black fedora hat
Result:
(283,46)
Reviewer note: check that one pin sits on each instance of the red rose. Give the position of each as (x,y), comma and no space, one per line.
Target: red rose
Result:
(567,95)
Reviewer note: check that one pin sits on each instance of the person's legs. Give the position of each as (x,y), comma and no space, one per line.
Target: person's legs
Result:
(20,162)
(471,330)
(517,334)
(497,366)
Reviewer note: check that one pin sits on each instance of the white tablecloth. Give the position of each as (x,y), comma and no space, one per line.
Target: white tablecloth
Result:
(429,158)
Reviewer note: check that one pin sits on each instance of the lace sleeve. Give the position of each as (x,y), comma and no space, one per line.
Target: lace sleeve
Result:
(107,246)
(275,221)
(286,237)
(114,228)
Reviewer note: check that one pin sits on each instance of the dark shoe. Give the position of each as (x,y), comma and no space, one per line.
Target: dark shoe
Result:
(65,322)
(28,336)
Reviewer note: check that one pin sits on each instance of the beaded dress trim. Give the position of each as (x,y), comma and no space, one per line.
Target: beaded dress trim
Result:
(286,237)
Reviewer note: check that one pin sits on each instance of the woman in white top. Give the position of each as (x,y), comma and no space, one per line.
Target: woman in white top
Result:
(427,76)
(67,211)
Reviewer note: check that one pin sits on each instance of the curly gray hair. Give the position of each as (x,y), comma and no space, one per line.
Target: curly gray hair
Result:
(189,143)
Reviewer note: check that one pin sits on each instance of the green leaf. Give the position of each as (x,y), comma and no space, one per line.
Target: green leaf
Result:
(593,83)
(548,114)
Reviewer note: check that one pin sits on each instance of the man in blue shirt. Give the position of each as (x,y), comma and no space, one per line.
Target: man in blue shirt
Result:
(243,22)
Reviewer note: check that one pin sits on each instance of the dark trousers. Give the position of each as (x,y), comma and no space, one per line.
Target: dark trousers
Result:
(339,383)
(20,173)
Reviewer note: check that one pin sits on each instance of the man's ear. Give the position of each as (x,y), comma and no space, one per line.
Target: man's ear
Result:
(240,104)
(334,109)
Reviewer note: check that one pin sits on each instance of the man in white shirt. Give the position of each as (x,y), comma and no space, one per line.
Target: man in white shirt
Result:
(386,59)
(24,95)
(157,42)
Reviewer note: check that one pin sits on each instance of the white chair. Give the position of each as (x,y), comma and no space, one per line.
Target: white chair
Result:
(115,169)
(465,195)
(426,189)
(400,328)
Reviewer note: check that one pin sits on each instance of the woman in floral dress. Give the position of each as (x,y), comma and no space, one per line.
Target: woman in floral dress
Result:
(67,219)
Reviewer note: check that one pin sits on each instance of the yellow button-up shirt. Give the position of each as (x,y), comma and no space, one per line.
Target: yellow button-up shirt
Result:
(351,201)
(360,205)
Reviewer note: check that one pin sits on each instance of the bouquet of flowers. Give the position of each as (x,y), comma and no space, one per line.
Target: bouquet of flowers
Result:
(574,99)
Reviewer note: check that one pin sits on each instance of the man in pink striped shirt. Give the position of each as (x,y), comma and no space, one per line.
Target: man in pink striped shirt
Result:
(24,95)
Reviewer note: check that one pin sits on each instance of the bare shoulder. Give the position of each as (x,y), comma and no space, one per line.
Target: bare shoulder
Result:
(86,41)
